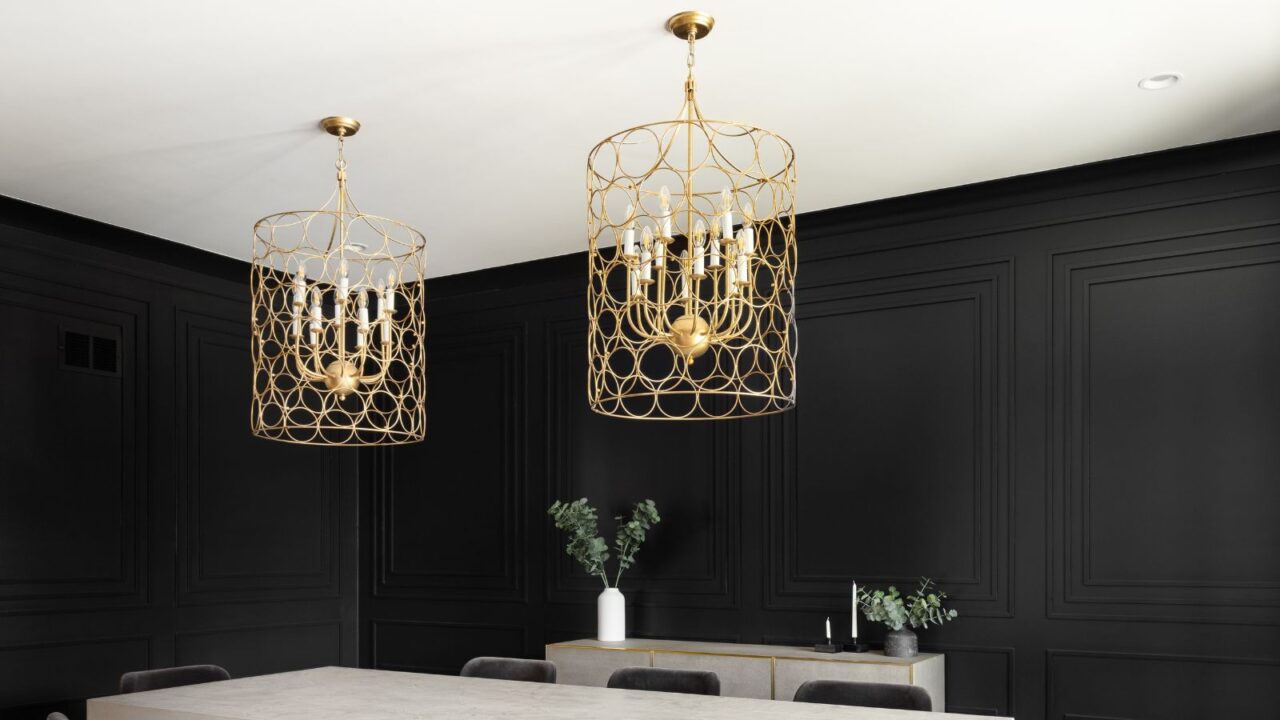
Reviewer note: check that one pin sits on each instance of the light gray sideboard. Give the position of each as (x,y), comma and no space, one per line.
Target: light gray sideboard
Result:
(750,671)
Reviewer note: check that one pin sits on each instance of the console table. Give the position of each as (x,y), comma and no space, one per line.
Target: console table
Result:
(749,671)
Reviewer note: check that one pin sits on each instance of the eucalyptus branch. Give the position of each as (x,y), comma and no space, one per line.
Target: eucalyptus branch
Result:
(919,609)
(590,550)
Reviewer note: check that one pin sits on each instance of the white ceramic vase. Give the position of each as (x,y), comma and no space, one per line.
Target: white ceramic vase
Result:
(611,616)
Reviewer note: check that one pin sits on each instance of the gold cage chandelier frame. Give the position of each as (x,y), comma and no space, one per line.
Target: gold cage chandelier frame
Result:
(338,323)
(691,296)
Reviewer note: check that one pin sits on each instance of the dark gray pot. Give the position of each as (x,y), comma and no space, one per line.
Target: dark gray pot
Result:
(901,643)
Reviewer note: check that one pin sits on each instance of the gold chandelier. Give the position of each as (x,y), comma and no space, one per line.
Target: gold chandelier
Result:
(691,298)
(338,323)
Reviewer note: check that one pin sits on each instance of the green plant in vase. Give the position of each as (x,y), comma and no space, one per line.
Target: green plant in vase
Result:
(920,609)
(586,546)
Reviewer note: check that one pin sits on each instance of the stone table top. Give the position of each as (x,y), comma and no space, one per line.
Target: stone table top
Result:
(335,693)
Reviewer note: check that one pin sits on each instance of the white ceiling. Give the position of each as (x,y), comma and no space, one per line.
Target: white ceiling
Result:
(190,120)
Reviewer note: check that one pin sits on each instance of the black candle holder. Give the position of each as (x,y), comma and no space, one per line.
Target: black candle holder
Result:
(856,647)
(827,647)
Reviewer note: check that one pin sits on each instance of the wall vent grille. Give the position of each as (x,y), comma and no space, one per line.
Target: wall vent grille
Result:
(90,353)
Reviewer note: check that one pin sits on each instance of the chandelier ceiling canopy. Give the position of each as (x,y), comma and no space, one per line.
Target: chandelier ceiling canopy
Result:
(692,262)
(338,322)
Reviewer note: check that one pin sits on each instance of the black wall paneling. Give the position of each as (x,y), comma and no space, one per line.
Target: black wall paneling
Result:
(926,357)
(479,376)
(1054,393)
(140,524)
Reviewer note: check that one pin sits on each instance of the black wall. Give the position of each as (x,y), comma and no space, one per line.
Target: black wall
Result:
(140,524)
(1058,394)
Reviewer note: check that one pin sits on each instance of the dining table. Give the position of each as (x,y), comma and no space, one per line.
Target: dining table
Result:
(331,693)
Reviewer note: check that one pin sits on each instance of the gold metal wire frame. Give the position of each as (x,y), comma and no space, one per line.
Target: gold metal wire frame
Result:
(339,384)
(691,341)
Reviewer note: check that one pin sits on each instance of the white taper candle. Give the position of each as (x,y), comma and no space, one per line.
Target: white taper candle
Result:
(853,623)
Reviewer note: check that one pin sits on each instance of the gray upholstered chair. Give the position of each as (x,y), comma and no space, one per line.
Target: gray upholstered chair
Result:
(499,668)
(56,716)
(878,695)
(141,680)
(693,682)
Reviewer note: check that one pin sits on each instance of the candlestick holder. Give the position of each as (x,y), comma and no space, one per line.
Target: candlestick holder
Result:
(856,647)
(826,647)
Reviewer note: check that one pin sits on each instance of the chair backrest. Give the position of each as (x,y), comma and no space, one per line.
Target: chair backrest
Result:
(56,716)
(141,680)
(693,682)
(878,695)
(500,668)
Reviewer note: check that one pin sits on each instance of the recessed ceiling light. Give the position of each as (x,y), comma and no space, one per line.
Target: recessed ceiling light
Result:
(1160,81)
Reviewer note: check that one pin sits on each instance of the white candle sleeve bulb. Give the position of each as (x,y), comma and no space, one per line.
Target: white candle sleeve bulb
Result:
(343,283)
(629,234)
(317,316)
(377,295)
(726,213)
(713,248)
(664,198)
(684,277)
(646,255)
(748,233)
(660,254)
(699,248)
(300,289)
(389,296)
(362,316)
(730,281)
(742,267)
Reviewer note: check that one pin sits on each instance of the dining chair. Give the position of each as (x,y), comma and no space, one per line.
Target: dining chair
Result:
(56,716)
(693,682)
(500,668)
(141,680)
(864,694)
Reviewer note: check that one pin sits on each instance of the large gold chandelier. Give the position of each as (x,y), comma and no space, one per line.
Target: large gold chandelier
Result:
(692,257)
(338,323)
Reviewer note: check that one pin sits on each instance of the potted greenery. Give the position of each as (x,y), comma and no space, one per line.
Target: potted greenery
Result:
(919,610)
(590,550)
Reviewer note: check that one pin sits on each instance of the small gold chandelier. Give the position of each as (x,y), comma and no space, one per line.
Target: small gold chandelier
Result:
(691,300)
(338,323)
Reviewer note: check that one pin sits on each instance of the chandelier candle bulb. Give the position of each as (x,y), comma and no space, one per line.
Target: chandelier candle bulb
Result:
(730,281)
(317,316)
(664,198)
(362,316)
(713,249)
(684,278)
(646,266)
(629,233)
(344,283)
(726,217)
